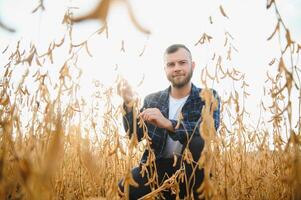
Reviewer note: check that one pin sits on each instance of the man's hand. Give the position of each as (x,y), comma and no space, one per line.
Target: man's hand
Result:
(155,117)
(126,92)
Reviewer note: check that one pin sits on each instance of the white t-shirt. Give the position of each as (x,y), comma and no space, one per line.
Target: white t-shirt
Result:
(174,147)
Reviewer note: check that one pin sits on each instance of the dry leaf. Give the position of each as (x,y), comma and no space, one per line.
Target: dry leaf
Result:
(5,27)
(269,3)
(100,12)
(223,11)
(134,20)
(275,30)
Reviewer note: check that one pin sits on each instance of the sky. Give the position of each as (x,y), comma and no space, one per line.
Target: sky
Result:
(170,21)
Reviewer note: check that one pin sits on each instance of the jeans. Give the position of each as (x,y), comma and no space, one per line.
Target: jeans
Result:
(165,169)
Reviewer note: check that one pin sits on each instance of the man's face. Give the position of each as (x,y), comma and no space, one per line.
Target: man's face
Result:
(179,68)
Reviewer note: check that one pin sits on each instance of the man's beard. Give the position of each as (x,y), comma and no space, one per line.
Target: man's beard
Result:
(181,83)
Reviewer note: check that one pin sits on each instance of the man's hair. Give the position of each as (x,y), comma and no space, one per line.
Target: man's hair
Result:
(173,48)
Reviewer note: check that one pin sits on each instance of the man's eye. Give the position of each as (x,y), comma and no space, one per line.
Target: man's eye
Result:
(182,62)
(170,64)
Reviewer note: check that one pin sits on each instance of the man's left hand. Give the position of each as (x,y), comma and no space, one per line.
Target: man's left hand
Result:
(155,117)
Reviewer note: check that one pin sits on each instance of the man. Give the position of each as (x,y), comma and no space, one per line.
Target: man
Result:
(161,112)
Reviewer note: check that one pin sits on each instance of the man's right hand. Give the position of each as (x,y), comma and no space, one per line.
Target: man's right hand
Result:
(125,91)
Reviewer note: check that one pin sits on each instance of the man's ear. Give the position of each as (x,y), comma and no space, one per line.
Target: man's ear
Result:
(192,65)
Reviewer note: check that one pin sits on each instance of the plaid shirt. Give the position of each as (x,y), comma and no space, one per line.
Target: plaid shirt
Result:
(191,112)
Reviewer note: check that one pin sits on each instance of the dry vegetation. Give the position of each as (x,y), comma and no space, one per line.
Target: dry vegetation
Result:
(54,145)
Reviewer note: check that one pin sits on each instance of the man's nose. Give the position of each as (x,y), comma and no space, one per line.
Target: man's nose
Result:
(177,67)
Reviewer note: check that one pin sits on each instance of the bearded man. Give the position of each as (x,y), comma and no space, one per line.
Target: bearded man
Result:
(160,113)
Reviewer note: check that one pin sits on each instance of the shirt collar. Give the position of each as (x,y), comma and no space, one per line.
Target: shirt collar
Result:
(194,93)
(164,98)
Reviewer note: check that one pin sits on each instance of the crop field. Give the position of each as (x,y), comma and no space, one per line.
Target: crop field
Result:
(57,144)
